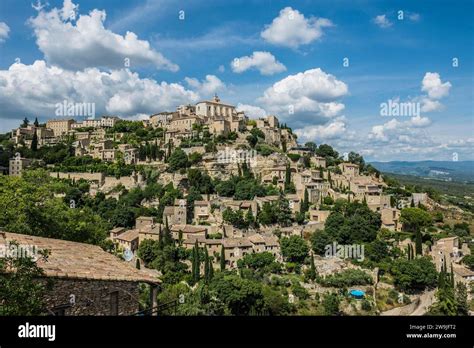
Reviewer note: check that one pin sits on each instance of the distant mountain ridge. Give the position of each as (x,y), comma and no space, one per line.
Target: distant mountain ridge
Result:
(442,170)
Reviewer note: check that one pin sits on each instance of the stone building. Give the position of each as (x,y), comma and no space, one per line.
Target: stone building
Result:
(86,280)
(60,127)
(17,165)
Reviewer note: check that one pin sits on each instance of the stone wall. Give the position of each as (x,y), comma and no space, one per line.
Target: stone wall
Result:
(92,297)
(99,177)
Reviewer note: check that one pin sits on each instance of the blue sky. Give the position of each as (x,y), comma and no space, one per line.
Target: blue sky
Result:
(289,56)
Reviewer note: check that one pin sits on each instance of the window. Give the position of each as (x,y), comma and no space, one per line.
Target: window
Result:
(114,303)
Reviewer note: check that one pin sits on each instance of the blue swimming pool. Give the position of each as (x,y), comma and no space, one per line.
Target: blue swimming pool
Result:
(357,293)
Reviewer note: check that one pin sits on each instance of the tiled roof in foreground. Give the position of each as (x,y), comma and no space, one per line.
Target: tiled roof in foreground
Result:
(74,260)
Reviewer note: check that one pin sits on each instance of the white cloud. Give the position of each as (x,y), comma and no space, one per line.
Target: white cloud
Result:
(305,96)
(399,131)
(432,85)
(69,10)
(414,17)
(428,105)
(292,29)
(85,42)
(36,89)
(264,62)
(251,111)
(382,21)
(331,130)
(209,86)
(4,31)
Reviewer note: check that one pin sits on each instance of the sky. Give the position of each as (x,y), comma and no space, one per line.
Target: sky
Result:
(335,71)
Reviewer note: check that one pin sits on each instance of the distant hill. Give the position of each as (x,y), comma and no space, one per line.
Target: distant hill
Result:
(461,171)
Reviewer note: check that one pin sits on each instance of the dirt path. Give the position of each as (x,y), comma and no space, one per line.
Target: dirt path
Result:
(418,307)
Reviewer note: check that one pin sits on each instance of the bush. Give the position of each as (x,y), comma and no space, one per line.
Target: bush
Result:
(347,278)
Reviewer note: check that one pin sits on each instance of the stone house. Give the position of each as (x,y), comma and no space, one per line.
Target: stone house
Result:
(86,280)
(316,215)
(177,213)
(188,231)
(391,219)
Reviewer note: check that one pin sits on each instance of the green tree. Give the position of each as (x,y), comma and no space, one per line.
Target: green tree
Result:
(414,275)
(331,303)
(178,160)
(222,258)
(468,260)
(206,265)
(305,205)
(461,299)
(294,249)
(20,291)
(34,142)
(418,243)
(25,123)
(414,219)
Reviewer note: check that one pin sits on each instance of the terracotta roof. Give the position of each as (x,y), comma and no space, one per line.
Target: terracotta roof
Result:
(271,241)
(256,239)
(236,242)
(74,260)
(463,271)
(187,228)
(128,236)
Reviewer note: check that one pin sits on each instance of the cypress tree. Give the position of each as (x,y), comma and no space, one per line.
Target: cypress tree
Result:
(193,264)
(160,237)
(36,123)
(211,270)
(197,262)
(418,243)
(137,264)
(312,272)
(412,203)
(222,260)
(287,176)
(206,265)
(452,276)
(34,142)
(305,201)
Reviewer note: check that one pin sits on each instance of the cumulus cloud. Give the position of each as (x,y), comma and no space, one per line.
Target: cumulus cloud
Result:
(77,43)
(251,111)
(292,29)
(264,62)
(4,31)
(395,130)
(305,97)
(382,21)
(36,89)
(428,105)
(432,85)
(209,86)
(331,130)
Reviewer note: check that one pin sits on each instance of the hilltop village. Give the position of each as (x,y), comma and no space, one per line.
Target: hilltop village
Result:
(199,200)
